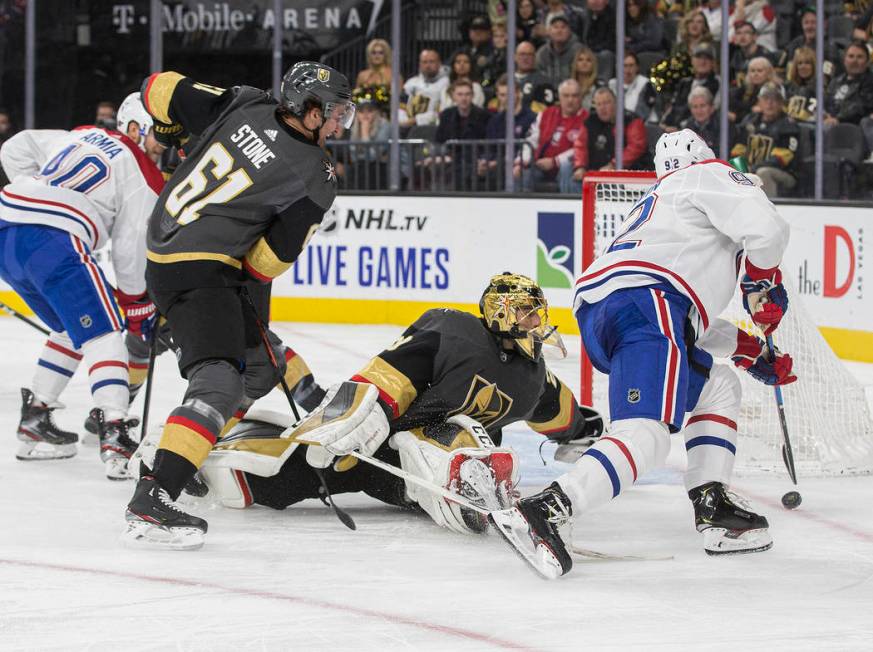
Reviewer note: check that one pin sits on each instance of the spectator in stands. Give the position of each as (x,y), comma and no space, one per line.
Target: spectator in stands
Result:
(800,89)
(584,71)
(367,168)
(497,62)
(463,121)
(537,91)
(598,29)
(461,67)
(747,48)
(105,115)
(555,57)
(704,118)
(639,94)
(496,130)
(703,74)
(378,71)
(761,16)
(594,147)
(831,65)
(480,49)
(423,91)
(529,24)
(693,31)
(7,131)
(551,138)
(849,96)
(744,99)
(571,12)
(711,10)
(769,142)
(644,29)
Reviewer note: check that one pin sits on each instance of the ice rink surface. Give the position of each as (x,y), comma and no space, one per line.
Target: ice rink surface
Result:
(298,580)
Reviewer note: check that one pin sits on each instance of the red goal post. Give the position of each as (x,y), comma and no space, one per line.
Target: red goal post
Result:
(827,410)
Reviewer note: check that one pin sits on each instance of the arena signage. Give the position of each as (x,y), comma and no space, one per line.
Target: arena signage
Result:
(320,19)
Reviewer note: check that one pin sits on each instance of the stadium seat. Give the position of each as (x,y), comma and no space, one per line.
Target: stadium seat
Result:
(649,59)
(653,133)
(422,132)
(840,30)
(606,65)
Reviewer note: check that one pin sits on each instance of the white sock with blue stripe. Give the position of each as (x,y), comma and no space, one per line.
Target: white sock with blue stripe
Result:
(57,363)
(711,430)
(614,463)
(106,359)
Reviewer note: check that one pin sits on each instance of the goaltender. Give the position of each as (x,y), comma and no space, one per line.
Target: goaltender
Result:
(235,214)
(443,392)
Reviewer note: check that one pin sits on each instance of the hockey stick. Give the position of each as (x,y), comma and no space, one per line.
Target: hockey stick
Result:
(787,453)
(342,515)
(9,310)
(147,398)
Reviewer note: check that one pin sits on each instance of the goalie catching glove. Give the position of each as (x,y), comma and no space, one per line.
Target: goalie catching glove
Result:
(764,296)
(750,355)
(349,418)
(476,470)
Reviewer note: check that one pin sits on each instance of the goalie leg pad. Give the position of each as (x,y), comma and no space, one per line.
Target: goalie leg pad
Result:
(229,486)
(486,476)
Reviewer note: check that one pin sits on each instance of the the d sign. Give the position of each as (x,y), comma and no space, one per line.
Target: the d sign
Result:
(833,234)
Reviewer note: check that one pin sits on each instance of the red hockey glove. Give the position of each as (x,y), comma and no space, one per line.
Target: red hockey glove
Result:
(749,355)
(140,312)
(764,296)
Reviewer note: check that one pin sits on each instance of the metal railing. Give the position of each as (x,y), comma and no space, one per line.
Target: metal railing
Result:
(453,166)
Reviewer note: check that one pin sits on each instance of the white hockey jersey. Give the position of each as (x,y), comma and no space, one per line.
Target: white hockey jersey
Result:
(690,231)
(92,183)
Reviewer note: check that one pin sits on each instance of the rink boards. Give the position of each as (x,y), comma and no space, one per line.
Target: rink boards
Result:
(392,257)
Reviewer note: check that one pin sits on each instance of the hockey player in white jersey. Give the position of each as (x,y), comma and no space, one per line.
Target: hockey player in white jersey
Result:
(647,309)
(70,193)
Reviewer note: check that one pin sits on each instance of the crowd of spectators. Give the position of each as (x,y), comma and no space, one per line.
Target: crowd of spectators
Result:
(565,105)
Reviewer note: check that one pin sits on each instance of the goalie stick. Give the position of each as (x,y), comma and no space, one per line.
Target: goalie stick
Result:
(341,514)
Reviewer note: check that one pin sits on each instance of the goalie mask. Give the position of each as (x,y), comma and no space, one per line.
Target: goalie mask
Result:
(513,307)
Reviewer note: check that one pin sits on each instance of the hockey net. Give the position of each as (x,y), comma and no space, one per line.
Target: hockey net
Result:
(828,416)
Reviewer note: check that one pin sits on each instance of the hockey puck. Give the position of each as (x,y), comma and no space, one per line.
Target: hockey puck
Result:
(791,500)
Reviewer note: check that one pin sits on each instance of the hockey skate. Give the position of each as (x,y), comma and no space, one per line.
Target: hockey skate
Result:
(532,527)
(92,431)
(153,520)
(143,459)
(116,446)
(40,437)
(727,525)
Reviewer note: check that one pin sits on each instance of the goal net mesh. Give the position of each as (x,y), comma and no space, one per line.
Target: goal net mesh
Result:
(828,416)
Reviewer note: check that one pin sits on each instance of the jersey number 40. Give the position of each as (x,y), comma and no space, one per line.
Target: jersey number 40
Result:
(219,186)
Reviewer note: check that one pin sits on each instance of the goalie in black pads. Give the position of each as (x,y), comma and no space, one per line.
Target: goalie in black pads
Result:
(441,395)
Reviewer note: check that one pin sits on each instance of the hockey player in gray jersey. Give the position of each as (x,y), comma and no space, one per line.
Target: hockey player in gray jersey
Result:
(443,392)
(235,214)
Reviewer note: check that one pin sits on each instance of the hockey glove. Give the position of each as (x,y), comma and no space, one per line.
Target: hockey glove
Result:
(170,135)
(141,314)
(593,428)
(750,356)
(764,296)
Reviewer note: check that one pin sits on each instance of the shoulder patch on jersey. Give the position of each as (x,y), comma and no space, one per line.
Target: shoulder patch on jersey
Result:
(741,178)
(329,170)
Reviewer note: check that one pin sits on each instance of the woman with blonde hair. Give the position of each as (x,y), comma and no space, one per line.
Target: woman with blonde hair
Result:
(378,70)
(800,89)
(693,31)
(584,71)
(744,99)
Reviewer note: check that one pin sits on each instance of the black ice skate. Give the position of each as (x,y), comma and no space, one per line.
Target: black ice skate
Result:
(92,430)
(153,519)
(40,437)
(532,526)
(727,525)
(116,446)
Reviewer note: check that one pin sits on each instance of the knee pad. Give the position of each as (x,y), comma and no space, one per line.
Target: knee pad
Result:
(215,384)
(722,393)
(260,376)
(647,440)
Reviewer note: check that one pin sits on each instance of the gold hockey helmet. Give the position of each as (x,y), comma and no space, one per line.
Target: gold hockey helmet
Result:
(514,307)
